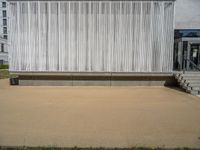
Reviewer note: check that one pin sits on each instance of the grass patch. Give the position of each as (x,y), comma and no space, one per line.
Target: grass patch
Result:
(77,148)
(4,73)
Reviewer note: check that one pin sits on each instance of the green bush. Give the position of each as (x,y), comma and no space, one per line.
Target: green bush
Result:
(77,148)
(3,66)
(4,74)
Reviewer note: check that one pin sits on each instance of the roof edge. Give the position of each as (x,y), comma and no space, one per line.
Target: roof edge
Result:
(91,0)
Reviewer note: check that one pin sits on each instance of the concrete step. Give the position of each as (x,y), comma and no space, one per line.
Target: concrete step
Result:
(187,76)
(192,72)
(193,81)
(186,88)
(189,88)
(193,84)
(194,92)
(197,88)
(180,80)
(177,75)
(190,81)
(191,77)
(190,84)
(183,83)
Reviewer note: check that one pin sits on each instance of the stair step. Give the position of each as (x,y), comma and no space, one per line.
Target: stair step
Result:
(191,77)
(177,75)
(194,92)
(186,87)
(193,81)
(193,84)
(195,88)
(192,87)
(184,84)
(190,81)
(180,80)
(192,72)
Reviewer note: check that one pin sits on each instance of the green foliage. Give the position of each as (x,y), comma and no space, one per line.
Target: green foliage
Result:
(4,74)
(89,148)
(4,66)
(182,148)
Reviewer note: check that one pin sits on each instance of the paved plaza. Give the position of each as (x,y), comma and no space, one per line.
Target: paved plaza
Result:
(98,116)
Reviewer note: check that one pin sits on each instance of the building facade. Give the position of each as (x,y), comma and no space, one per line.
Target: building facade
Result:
(187,35)
(3,32)
(91,36)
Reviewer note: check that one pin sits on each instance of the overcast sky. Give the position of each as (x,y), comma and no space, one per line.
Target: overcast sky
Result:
(187,14)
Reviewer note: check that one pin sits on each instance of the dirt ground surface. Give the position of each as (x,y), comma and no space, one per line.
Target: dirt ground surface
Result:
(98,116)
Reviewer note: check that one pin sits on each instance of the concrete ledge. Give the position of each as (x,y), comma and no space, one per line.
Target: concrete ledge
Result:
(143,81)
(41,73)
(96,79)
(45,82)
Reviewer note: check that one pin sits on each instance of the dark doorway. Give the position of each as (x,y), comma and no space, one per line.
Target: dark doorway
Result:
(195,54)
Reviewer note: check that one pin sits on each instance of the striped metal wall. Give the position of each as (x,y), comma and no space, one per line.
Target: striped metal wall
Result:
(91,36)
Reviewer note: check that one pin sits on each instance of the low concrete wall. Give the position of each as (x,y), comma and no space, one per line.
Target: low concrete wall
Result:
(97,79)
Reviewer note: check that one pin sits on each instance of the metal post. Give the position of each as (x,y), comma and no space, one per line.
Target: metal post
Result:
(184,65)
(188,55)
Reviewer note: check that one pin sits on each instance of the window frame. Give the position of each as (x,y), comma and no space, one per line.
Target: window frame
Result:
(4,13)
(2,47)
(4,4)
(4,22)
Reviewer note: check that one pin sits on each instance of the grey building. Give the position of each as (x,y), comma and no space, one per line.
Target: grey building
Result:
(3,32)
(187,34)
(3,51)
(103,38)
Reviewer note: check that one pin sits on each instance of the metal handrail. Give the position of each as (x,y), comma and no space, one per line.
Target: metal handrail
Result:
(191,62)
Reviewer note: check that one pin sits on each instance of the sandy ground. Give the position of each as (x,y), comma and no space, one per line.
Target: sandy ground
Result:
(98,116)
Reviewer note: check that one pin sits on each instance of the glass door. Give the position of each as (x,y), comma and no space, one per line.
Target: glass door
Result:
(195,55)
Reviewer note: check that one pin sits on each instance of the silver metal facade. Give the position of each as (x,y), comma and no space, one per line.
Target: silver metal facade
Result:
(91,36)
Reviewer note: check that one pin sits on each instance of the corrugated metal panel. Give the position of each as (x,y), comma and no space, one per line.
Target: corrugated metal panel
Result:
(91,36)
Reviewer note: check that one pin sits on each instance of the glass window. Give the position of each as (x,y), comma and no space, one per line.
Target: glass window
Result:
(3,4)
(187,33)
(5,37)
(2,47)
(4,13)
(4,30)
(4,22)
(1,62)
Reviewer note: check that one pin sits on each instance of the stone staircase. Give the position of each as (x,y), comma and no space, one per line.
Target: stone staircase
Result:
(190,81)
